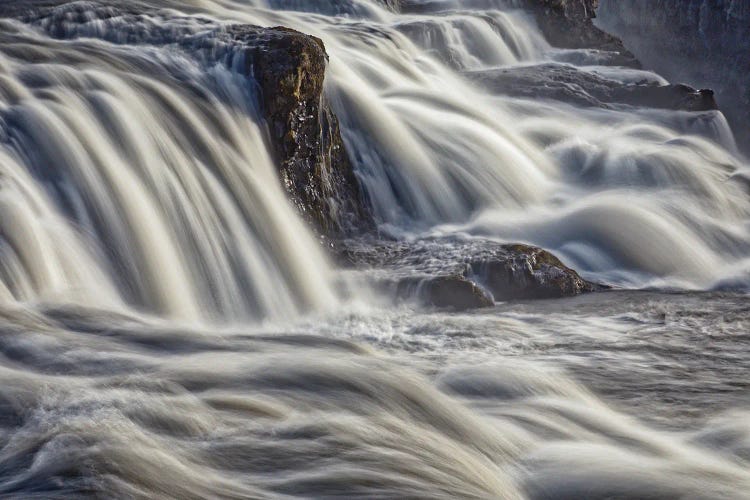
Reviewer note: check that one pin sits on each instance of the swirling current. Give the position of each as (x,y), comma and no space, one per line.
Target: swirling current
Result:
(171,328)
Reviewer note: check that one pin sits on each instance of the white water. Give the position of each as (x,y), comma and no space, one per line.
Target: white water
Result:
(120,187)
(135,178)
(182,187)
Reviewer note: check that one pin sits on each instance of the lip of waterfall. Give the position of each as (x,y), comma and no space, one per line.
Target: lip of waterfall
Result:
(156,159)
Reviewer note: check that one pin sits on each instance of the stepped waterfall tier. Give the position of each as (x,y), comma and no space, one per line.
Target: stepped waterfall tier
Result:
(374,249)
(714,36)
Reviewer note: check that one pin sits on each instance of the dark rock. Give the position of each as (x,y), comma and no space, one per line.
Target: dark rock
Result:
(446,292)
(569,24)
(584,88)
(527,272)
(314,166)
(674,96)
(465,274)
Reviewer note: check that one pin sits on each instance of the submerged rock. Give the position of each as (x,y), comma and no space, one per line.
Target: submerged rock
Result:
(586,88)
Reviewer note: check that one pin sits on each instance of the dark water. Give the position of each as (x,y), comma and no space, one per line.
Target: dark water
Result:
(624,395)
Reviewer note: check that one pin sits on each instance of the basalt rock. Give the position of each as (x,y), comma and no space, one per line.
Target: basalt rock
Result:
(586,88)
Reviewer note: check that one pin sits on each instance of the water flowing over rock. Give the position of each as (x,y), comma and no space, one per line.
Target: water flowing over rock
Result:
(182,177)
(568,23)
(289,68)
(586,88)
(565,24)
(700,42)
(172,327)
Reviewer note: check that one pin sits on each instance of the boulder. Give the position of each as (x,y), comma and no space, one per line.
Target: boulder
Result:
(454,292)
(528,272)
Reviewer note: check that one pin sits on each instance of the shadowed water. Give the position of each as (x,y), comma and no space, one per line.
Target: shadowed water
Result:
(538,400)
(170,329)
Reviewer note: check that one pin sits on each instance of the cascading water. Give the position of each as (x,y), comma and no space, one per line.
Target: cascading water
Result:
(140,176)
(431,148)
(145,233)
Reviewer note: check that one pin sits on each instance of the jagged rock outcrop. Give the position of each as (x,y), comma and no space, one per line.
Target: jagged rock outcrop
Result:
(700,42)
(584,88)
(465,274)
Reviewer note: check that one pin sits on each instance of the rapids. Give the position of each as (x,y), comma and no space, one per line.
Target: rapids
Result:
(171,329)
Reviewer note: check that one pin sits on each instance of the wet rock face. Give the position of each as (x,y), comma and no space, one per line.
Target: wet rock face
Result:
(465,274)
(569,24)
(583,88)
(454,292)
(289,67)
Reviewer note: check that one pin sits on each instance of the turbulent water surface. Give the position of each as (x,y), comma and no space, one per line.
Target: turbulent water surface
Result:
(170,328)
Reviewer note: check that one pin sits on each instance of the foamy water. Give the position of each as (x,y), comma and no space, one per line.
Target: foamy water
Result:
(171,328)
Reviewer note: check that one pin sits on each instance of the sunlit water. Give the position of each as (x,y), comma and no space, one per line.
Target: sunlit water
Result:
(171,329)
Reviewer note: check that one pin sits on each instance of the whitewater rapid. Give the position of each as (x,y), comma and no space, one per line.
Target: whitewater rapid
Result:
(170,328)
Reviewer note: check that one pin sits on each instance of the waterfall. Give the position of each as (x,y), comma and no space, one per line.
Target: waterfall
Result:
(172,327)
(138,176)
(631,197)
(139,171)
(698,42)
